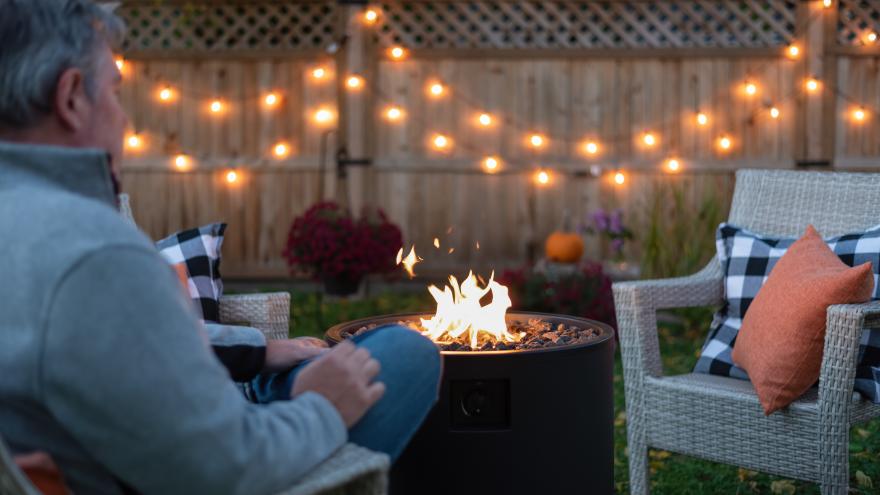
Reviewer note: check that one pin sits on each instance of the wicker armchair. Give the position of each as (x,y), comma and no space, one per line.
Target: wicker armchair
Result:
(352,470)
(719,418)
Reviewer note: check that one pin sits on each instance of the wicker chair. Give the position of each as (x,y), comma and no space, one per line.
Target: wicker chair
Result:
(718,418)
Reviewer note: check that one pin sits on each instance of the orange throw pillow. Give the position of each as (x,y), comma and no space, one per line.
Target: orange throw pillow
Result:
(783,332)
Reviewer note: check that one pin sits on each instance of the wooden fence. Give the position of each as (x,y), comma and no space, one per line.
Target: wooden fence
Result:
(573,72)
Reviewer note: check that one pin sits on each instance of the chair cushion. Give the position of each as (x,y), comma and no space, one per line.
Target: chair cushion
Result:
(782,335)
(199,250)
(746,260)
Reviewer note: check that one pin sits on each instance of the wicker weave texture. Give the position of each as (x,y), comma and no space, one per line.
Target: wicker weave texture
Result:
(270,312)
(720,418)
(352,470)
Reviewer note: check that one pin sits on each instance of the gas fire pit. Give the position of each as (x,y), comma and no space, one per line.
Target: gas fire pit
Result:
(525,404)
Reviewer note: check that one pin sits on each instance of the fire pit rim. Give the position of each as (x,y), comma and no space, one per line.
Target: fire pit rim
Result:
(334,334)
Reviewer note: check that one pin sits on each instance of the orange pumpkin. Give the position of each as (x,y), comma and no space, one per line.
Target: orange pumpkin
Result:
(564,247)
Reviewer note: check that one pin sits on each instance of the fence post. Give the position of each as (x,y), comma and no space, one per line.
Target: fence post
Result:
(816,111)
(356,57)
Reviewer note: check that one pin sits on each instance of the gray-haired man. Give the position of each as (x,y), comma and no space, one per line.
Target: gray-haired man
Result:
(101,364)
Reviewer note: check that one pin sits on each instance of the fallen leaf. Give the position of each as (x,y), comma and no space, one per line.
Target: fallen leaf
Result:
(659,454)
(863,432)
(782,487)
(620,420)
(744,474)
(864,480)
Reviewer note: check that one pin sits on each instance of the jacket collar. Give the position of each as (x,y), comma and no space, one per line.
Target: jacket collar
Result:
(82,171)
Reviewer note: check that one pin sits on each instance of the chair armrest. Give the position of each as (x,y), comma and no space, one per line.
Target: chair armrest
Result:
(351,470)
(269,312)
(843,332)
(636,304)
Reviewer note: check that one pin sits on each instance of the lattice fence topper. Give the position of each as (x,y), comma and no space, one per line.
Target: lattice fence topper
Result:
(857,20)
(607,24)
(226,26)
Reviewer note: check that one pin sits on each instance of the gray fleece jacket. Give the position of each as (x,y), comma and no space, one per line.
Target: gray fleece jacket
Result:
(101,362)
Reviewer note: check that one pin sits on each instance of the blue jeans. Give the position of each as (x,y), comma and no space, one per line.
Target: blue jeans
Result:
(411,367)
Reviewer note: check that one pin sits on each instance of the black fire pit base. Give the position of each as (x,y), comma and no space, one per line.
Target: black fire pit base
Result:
(530,422)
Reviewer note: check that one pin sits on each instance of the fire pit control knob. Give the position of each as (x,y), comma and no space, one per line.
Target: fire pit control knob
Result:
(474,402)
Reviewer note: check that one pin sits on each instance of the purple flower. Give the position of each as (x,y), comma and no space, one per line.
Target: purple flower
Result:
(617,245)
(616,222)
(600,220)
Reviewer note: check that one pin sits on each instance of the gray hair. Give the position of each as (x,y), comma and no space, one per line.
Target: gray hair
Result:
(41,39)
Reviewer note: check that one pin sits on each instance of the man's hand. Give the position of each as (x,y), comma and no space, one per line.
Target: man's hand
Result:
(344,376)
(284,354)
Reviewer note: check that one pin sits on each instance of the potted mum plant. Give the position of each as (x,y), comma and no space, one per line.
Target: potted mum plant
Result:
(339,250)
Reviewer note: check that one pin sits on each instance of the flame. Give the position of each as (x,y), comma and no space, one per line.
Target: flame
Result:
(409,262)
(437,243)
(460,313)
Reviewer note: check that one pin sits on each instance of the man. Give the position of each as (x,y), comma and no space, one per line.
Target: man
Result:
(101,363)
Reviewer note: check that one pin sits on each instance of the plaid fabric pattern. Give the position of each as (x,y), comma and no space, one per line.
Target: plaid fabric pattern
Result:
(746,260)
(199,249)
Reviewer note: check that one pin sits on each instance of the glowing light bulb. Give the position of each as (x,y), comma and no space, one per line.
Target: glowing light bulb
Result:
(120,63)
(591,147)
(440,142)
(393,113)
(793,51)
(812,84)
(702,118)
(319,73)
(490,164)
(271,99)
(673,165)
(649,139)
(216,106)
(281,150)
(485,119)
(231,177)
(134,142)
(536,140)
(725,143)
(751,88)
(354,82)
(542,177)
(774,112)
(166,94)
(859,114)
(397,53)
(182,162)
(619,178)
(871,37)
(826,3)
(436,89)
(323,116)
(371,16)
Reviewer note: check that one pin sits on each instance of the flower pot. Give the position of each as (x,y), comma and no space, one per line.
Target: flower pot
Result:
(341,286)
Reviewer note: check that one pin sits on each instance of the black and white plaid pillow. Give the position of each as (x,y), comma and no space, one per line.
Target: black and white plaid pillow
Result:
(199,249)
(746,261)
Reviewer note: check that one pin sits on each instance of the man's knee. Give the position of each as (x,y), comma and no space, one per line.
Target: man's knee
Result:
(404,346)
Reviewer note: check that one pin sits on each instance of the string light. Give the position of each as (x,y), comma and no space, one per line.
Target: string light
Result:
(397,53)
(537,140)
(542,177)
(750,88)
(859,114)
(827,3)
(166,94)
(702,118)
(484,119)
(725,143)
(271,100)
(812,84)
(232,177)
(120,63)
(591,147)
(619,178)
(491,163)
(871,37)
(436,89)
(393,113)
(182,162)
(354,82)
(216,106)
(673,165)
(323,115)
(441,142)
(281,150)
(371,16)
(774,112)
(793,51)
(133,142)
(319,73)
(649,139)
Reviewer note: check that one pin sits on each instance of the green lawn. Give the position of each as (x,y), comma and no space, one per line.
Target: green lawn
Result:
(671,473)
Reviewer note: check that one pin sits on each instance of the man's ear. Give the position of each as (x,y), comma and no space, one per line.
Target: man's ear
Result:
(71,100)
